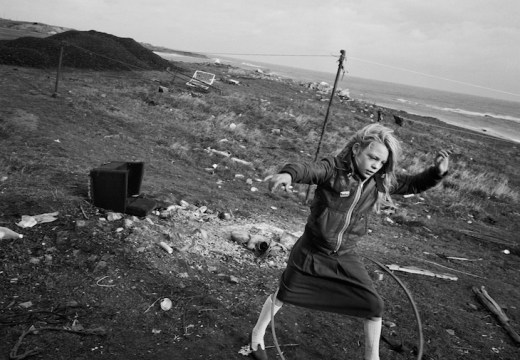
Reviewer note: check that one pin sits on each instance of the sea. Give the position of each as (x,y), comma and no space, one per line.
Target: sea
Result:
(484,115)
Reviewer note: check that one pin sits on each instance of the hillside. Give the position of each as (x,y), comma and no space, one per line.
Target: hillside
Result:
(11,29)
(92,281)
(82,49)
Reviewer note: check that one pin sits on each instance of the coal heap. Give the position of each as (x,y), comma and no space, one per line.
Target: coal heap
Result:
(82,49)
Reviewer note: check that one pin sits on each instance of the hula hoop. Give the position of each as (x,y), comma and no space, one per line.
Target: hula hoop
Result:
(408,294)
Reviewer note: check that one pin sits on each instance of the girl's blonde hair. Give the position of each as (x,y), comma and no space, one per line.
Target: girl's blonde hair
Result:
(381,134)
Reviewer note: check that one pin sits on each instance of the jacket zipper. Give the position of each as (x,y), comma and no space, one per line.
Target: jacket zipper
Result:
(349,215)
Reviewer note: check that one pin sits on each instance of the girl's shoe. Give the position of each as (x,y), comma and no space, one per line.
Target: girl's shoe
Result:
(259,353)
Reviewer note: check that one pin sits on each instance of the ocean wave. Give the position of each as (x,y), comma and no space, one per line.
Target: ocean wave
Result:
(459,110)
(252,65)
(405,101)
(475,113)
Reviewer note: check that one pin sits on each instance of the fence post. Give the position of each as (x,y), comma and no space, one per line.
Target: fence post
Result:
(58,73)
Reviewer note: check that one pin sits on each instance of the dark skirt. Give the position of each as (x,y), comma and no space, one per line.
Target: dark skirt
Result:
(333,283)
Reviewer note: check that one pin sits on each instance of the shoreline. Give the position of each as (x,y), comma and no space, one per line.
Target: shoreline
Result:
(467,121)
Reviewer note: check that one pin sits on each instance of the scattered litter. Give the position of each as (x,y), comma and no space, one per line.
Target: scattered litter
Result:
(103,285)
(389,324)
(113,216)
(450,331)
(156,331)
(245,350)
(6,233)
(201,79)
(186,333)
(30,221)
(166,304)
(26,304)
(507,252)
(166,247)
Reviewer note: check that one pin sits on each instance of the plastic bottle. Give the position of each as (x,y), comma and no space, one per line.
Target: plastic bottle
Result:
(6,233)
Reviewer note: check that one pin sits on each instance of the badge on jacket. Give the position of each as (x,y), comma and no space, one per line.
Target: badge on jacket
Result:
(344,194)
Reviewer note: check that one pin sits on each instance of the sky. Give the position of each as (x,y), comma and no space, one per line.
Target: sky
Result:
(468,46)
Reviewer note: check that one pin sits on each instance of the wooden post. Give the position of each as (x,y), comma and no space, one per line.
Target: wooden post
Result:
(340,67)
(492,306)
(58,73)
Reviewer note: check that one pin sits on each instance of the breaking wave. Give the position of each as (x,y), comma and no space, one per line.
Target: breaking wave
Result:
(460,111)
(475,113)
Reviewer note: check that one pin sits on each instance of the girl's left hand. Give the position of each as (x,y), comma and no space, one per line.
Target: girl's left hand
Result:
(442,161)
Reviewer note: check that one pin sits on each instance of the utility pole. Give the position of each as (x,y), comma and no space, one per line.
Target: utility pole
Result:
(340,67)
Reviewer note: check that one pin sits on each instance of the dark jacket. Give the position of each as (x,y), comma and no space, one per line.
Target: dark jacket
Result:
(341,202)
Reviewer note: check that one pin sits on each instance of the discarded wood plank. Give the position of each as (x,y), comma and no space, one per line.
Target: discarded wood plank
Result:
(492,306)
(416,270)
(446,267)
(461,259)
(228,155)
(223,153)
(486,238)
(243,162)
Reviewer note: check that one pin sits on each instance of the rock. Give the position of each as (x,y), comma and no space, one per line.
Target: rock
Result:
(255,239)
(100,266)
(80,223)
(240,236)
(224,216)
(113,216)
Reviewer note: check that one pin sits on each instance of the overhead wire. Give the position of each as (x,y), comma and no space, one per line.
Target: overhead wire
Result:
(378,64)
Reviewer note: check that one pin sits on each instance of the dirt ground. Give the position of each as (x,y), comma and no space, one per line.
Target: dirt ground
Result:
(92,286)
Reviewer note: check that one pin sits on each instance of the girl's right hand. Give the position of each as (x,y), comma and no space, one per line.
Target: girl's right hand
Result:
(282,180)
